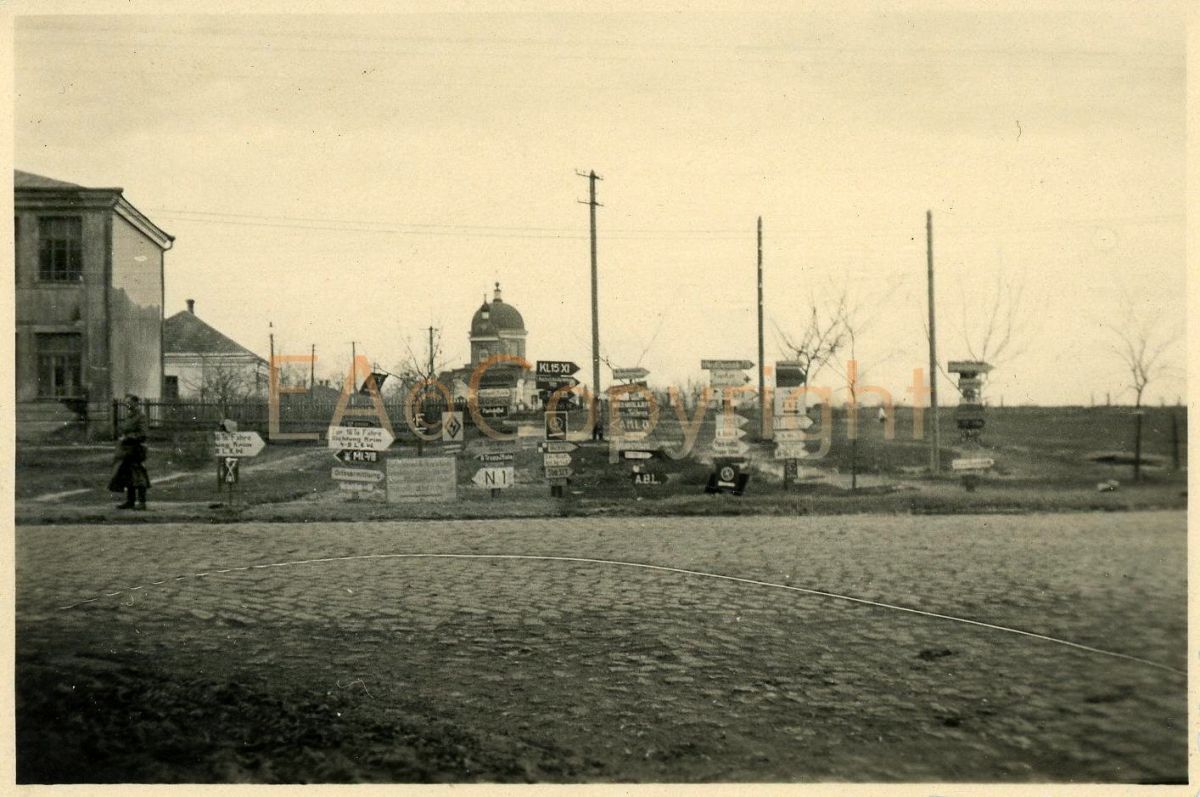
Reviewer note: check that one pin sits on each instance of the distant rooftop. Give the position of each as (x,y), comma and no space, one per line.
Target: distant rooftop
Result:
(184,333)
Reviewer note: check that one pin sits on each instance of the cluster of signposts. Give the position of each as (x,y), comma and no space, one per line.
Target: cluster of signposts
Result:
(970,420)
(790,420)
(359,449)
(555,383)
(728,448)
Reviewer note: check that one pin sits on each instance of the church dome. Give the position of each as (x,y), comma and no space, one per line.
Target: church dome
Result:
(496,316)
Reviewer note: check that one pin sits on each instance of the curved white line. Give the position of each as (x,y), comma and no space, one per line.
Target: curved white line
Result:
(665,569)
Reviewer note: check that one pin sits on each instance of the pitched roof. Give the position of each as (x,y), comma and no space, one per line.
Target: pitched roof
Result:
(30,180)
(184,333)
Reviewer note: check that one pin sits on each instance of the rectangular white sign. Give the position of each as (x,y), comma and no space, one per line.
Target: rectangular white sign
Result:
(359,438)
(421,479)
(357,475)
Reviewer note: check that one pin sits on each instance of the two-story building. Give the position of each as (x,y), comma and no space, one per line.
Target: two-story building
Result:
(89,303)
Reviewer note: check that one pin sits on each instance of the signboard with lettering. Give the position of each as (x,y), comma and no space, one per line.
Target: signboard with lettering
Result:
(421,479)
(727,365)
(359,438)
(238,444)
(494,478)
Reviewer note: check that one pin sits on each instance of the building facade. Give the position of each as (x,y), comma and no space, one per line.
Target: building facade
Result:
(89,304)
(202,364)
(497,328)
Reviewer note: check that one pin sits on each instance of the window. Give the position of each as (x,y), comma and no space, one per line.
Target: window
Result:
(171,388)
(60,249)
(60,365)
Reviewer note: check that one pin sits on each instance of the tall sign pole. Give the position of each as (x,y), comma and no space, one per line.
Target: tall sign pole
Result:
(935,440)
(764,430)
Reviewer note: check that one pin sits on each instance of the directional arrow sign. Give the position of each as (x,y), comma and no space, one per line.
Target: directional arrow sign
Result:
(726,433)
(648,479)
(360,438)
(558,473)
(357,475)
(726,365)
(792,422)
(556,460)
(556,368)
(790,435)
(557,447)
(496,456)
(494,478)
(790,451)
(630,373)
(637,454)
(238,444)
(348,456)
(357,487)
(729,447)
(973,463)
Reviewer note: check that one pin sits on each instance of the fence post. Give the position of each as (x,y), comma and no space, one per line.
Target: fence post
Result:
(115,420)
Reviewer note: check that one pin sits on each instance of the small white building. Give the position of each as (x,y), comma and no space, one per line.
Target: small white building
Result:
(202,364)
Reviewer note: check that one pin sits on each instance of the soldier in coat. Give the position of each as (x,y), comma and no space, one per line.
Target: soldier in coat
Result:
(129,469)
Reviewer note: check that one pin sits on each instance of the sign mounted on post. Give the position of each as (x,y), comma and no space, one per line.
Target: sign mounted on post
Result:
(421,479)
(359,438)
(229,470)
(630,373)
(555,368)
(726,365)
(556,425)
(494,478)
(357,475)
(238,444)
(452,427)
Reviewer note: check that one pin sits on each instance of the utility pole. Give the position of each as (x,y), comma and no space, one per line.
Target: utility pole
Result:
(312,368)
(935,462)
(431,366)
(353,368)
(592,178)
(762,379)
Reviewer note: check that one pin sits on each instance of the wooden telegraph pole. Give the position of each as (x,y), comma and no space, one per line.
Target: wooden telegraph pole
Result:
(592,178)
(935,440)
(764,431)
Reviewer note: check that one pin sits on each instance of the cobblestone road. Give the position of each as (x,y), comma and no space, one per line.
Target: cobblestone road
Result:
(649,675)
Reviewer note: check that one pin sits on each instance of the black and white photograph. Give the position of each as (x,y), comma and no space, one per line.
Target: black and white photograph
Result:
(790,394)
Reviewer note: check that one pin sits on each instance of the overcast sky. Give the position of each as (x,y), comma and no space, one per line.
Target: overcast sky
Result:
(363,177)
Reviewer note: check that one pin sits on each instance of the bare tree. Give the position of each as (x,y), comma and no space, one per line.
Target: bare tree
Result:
(224,383)
(997,330)
(1141,344)
(820,340)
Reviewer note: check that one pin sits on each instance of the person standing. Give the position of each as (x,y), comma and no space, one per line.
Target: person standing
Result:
(129,470)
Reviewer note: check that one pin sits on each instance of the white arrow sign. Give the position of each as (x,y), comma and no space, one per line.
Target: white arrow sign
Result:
(729,447)
(494,478)
(357,475)
(238,444)
(790,435)
(630,373)
(792,422)
(793,451)
(725,433)
(360,438)
(555,460)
